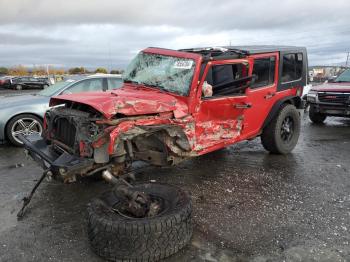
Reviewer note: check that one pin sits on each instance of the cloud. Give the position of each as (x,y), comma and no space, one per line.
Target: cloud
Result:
(224,14)
(109,33)
(10,39)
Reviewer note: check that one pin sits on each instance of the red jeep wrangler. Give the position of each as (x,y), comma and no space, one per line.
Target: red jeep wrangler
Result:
(330,99)
(174,105)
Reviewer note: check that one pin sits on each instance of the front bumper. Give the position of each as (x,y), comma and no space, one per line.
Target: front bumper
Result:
(332,109)
(63,164)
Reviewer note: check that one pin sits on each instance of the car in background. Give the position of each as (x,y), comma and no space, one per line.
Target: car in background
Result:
(5,81)
(23,114)
(28,82)
(330,99)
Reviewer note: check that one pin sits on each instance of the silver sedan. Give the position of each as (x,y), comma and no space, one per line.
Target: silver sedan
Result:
(23,114)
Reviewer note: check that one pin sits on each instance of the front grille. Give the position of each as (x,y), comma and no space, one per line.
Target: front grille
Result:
(65,131)
(336,98)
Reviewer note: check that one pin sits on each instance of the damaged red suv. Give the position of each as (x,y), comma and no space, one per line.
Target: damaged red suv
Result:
(174,105)
(330,99)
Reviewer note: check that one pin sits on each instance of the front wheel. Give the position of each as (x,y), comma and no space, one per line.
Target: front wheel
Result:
(315,116)
(25,124)
(117,235)
(281,135)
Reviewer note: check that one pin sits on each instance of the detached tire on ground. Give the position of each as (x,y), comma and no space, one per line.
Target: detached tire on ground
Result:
(118,237)
(315,116)
(281,135)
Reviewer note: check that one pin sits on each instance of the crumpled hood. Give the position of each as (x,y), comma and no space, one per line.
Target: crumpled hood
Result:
(128,100)
(332,87)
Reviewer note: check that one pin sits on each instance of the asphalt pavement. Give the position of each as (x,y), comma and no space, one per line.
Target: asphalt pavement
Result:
(248,205)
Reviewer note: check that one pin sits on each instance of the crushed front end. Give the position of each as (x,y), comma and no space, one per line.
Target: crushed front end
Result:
(78,140)
(66,148)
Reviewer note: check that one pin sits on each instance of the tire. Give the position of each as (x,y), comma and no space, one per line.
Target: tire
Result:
(316,117)
(117,237)
(45,86)
(275,137)
(18,87)
(14,125)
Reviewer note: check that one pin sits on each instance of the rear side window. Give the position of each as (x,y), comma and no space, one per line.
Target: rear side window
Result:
(114,83)
(264,70)
(292,67)
(87,85)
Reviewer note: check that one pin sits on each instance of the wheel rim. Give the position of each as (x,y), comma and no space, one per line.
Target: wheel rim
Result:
(119,207)
(25,126)
(287,129)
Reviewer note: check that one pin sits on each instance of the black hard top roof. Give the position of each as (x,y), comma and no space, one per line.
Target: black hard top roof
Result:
(241,51)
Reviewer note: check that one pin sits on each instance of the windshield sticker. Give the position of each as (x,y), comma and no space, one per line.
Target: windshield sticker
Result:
(183,64)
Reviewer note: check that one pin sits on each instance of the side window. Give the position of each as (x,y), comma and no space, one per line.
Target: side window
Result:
(292,67)
(88,85)
(264,70)
(114,83)
(230,79)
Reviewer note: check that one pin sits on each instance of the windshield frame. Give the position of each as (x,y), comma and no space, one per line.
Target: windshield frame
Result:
(192,82)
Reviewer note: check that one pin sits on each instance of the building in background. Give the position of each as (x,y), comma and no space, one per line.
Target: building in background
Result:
(324,73)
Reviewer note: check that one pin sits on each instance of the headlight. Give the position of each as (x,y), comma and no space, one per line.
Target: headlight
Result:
(312,96)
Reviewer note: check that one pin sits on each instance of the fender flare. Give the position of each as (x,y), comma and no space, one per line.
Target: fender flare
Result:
(293,100)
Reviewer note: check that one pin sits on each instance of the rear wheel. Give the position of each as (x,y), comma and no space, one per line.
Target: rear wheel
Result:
(282,133)
(25,124)
(315,116)
(116,235)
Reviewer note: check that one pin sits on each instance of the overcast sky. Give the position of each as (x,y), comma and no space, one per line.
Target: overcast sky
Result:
(109,33)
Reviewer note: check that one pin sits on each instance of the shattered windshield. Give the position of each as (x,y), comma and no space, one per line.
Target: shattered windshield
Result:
(344,77)
(173,74)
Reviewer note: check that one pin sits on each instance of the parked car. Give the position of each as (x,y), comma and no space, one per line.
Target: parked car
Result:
(5,81)
(330,99)
(174,105)
(23,114)
(24,82)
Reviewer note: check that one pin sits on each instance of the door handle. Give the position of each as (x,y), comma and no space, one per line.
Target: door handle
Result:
(269,95)
(243,106)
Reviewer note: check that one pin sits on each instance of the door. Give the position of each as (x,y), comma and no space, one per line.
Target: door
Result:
(219,118)
(261,94)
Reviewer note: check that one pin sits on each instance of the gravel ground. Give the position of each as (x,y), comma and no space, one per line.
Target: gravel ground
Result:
(248,205)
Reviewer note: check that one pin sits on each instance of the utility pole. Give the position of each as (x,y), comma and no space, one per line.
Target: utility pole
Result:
(347,60)
(109,56)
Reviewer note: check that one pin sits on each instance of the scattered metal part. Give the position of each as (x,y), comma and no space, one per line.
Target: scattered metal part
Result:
(136,203)
(26,200)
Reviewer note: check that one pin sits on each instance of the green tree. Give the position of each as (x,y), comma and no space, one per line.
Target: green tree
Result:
(77,70)
(4,71)
(101,70)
